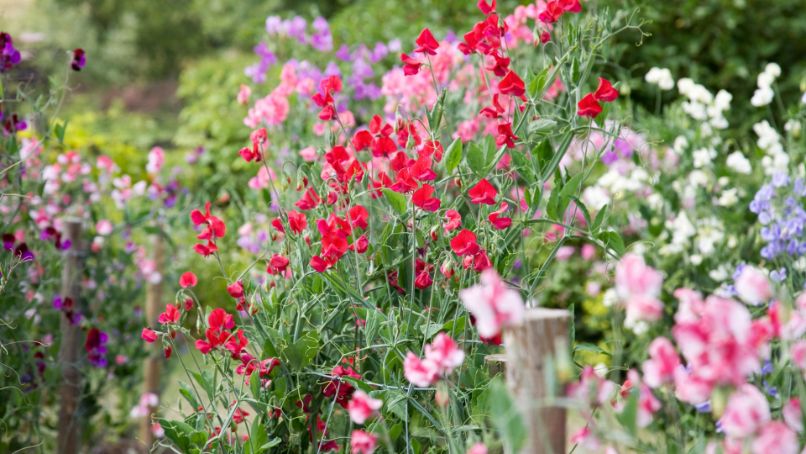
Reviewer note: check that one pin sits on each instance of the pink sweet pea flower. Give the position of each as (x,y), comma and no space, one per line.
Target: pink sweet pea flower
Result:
(753,286)
(188,279)
(747,411)
(362,442)
(148,335)
(776,437)
(361,407)
(493,305)
(478,448)
(420,372)
(244,92)
(792,414)
(639,286)
(308,154)
(444,352)
(662,363)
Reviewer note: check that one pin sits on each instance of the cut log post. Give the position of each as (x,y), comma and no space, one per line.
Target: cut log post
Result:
(531,352)
(70,418)
(151,382)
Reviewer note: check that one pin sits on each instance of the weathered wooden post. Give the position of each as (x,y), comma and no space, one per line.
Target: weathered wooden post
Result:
(70,418)
(542,336)
(151,382)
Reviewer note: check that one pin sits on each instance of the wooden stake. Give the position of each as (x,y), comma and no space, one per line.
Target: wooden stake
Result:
(151,382)
(70,419)
(529,347)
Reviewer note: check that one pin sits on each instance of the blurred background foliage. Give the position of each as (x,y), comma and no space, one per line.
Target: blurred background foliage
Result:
(166,72)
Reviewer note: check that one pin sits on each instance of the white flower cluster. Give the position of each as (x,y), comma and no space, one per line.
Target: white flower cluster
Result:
(703,105)
(738,163)
(764,93)
(661,77)
(775,159)
(615,185)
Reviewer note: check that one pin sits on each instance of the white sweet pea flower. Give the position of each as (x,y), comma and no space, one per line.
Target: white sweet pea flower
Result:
(738,163)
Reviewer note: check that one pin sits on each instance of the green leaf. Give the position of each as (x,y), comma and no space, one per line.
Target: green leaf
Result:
(453,156)
(507,420)
(180,433)
(477,159)
(302,352)
(599,219)
(613,241)
(573,186)
(542,126)
(397,200)
(629,414)
(590,348)
(538,83)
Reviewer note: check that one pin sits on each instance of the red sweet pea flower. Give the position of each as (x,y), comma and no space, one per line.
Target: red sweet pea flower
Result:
(259,140)
(512,85)
(339,388)
(552,12)
(214,228)
(236,343)
(588,106)
(422,198)
(411,66)
(170,316)
(423,271)
(432,148)
(497,221)
(188,279)
(426,43)
(358,217)
(464,243)
(505,135)
(319,264)
(297,221)
(324,99)
(378,138)
(361,244)
(309,200)
(220,322)
(235,289)
(605,92)
(453,220)
(571,6)
(278,264)
(483,192)
(148,335)
(239,416)
(486,8)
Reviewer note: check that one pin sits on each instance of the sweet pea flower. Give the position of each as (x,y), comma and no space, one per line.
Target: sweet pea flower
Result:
(445,353)
(662,363)
(792,414)
(747,411)
(362,442)
(639,287)
(753,286)
(478,448)
(776,437)
(493,305)
(362,407)
(188,279)
(420,372)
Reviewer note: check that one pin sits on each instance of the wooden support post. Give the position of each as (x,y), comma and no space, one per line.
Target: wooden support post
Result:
(151,382)
(70,418)
(542,336)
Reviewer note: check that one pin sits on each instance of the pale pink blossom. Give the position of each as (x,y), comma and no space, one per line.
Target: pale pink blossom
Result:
(244,92)
(793,415)
(104,227)
(494,305)
(420,372)
(776,438)
(308,154)
(362,442)
(662,363)
(156,159)
(444,353)
(362,407)
(747,411)
(798,353)
(753,286)
(638,286)
(478,448)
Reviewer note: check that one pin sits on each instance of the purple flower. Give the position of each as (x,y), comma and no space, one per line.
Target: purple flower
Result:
(343,53)
(274,25)
(295,28)
(9,56)
(95,345)
(79,59)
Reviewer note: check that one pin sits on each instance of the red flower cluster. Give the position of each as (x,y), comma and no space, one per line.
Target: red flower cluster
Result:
(427,45)
(214,228)
(218,333)
(556,8)
(260,139)
(324,99)
(336,233)
(342,390)
(589,105)
(465,245)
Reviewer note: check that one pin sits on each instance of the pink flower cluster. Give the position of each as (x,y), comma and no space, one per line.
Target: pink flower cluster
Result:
(442,356)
